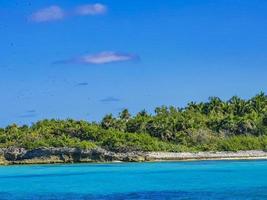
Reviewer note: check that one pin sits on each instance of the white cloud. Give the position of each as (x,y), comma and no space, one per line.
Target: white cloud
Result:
(54,12)
(100,58)
(104,58)
(91,9)
(51,13)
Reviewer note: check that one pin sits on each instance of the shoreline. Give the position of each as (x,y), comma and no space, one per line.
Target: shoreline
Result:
(216,155)
(210,159)
(21,156)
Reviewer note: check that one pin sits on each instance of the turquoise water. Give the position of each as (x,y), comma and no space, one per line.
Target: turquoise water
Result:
(166,180)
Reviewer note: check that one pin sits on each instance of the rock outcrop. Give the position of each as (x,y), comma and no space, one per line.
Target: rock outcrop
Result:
(65,155)
(15,155)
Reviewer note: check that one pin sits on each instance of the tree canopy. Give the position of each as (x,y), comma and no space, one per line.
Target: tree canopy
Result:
(235,124)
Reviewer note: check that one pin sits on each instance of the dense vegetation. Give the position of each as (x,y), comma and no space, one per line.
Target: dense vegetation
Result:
(236,124)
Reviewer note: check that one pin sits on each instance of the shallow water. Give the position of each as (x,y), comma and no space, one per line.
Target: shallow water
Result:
(165,180)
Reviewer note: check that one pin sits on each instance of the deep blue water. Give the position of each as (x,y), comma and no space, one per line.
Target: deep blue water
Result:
(166,180)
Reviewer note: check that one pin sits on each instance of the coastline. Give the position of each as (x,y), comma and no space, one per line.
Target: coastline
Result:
(15,156)
(200,156)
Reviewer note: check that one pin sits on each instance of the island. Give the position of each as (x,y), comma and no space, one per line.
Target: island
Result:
(216,129)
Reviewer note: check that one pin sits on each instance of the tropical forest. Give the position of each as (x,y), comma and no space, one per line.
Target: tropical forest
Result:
(215,125)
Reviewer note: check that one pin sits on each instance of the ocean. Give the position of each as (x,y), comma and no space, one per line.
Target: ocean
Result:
(155,180)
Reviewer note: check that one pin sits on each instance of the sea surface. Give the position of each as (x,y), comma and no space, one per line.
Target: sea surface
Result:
(161,180)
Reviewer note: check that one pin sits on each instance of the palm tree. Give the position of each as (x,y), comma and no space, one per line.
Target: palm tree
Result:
(259,103)
(125,115)
(108,121)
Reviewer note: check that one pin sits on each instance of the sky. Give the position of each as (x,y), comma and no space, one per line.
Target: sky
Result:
(83,59)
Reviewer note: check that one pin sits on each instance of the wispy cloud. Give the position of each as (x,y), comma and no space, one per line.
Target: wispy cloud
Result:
(55,12)
(31,111)
(82,84)
(101,58)
(91,9)
(109,99)
(51,13)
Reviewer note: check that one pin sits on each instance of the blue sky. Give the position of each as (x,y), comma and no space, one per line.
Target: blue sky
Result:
(84,59)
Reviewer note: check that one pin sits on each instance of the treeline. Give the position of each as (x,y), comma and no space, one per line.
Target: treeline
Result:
(236,124)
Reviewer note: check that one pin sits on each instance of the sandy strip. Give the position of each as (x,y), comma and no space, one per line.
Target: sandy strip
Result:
(239,155)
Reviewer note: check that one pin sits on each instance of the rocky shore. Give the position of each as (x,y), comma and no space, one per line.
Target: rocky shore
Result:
(65,155)
(72,155)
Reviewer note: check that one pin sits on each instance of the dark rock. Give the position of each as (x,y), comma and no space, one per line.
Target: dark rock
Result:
(64,154)
(13,153)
